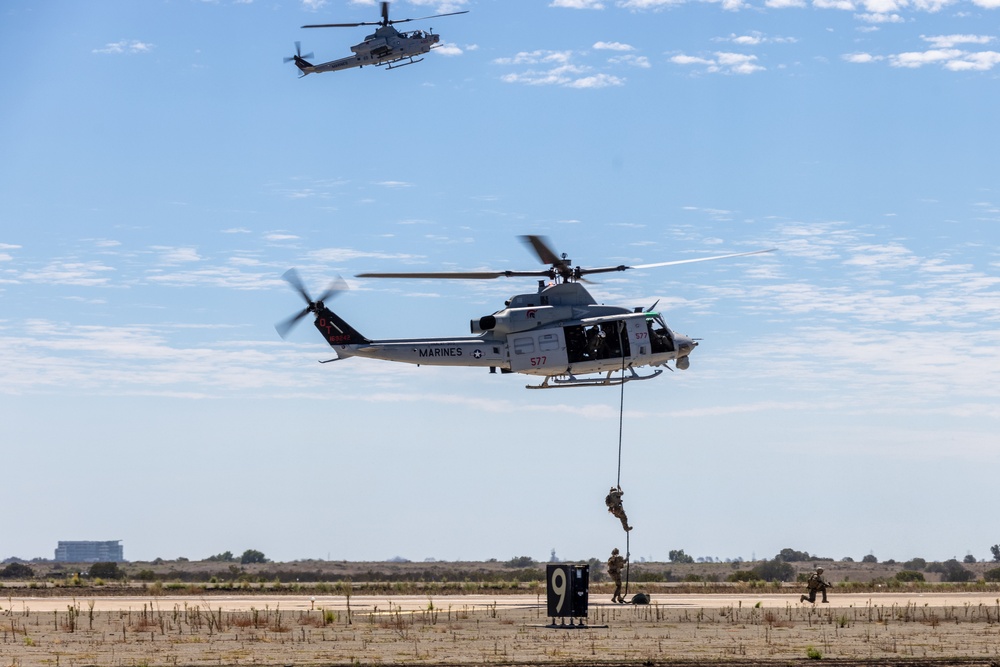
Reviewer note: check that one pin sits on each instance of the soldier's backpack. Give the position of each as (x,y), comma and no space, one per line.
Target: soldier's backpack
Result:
(640,598)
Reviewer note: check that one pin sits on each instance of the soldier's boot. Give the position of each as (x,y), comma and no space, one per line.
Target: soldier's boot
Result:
(802,598)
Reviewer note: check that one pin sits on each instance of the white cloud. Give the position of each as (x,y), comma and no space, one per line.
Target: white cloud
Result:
(914,59)
(980,61)
(755,38)
(562,71)
(932,5)
(634,61)
(83,274)
(846,5)
(879,18)
(125,46)
(578,4)
(784,4)
(536,57)
(596,81)
(341,255)
(722,63)
(613,46)
(884,6)
(860,58)
(316,5)
(691,60)
(647,4)
(171,256)
(951,41)
(448,49)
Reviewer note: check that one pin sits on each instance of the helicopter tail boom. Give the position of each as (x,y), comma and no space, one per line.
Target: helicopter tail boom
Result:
(335,330)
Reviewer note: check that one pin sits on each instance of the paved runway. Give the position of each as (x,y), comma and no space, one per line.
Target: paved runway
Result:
(370,603)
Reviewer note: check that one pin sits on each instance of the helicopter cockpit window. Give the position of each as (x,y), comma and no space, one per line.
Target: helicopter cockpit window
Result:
(659,335)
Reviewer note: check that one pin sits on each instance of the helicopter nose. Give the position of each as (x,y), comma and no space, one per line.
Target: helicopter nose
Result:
(685,344)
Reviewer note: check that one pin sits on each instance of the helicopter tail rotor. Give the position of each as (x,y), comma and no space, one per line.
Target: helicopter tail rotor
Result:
(299,59)
(291,276)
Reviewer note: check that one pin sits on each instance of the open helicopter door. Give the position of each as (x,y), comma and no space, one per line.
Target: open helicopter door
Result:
(540,352)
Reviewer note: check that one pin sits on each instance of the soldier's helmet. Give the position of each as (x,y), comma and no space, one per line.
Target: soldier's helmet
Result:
(614,552)
(819,569)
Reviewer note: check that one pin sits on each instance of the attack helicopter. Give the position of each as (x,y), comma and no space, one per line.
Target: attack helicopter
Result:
(386,46)
(558,333)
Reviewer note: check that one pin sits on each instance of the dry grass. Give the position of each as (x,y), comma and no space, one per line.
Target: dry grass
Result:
(449,631)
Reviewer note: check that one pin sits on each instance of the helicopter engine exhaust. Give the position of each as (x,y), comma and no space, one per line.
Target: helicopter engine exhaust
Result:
(483,324)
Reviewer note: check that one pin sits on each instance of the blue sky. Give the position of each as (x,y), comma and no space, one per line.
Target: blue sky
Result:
(162,167)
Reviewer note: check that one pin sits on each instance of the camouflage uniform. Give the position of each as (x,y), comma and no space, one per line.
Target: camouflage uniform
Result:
(614,502)
(816,583)
(615,566)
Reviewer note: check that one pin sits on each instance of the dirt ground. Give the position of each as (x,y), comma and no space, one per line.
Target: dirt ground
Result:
(738,629)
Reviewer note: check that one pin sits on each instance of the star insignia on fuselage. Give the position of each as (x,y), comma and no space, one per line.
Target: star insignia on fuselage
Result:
(478,354)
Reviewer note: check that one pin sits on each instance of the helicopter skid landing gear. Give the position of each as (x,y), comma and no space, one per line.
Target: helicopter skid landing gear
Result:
(392,65)
(570,380)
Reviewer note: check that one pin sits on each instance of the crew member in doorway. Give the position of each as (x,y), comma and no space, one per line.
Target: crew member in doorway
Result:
(614,502)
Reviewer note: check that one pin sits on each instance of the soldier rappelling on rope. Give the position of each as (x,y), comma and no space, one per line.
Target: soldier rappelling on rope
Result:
(614,502)
(615,566)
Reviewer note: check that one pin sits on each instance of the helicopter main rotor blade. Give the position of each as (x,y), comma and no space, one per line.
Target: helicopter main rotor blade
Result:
(423,18)
(459,275)
(540,245)
(341,25)
(560,265)
(689,261)
(623,267)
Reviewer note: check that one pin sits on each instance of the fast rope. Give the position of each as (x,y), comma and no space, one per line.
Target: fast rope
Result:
(621,422)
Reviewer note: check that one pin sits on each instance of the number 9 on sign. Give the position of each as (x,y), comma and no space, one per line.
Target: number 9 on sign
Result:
(557,589)
(566,590)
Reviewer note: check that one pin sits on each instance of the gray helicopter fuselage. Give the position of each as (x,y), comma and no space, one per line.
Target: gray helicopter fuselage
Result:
(557,330)
(384,46)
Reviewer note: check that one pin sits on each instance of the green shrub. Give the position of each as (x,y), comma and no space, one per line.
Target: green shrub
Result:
(775,570)
(952,570)
(105,571)
(992,575)
(909,575)
(17,571)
